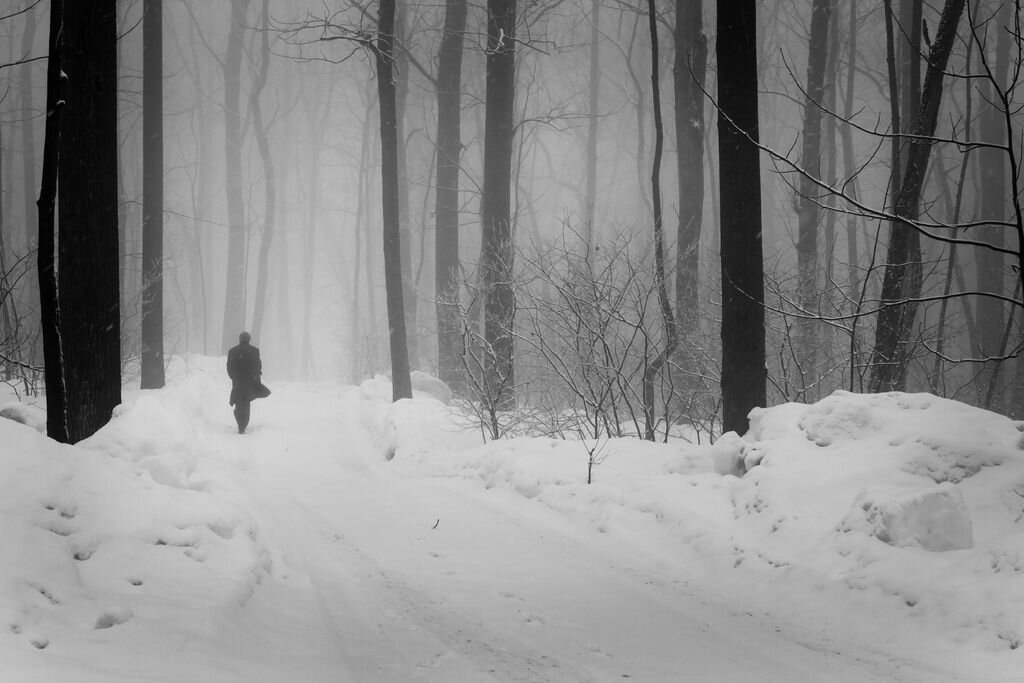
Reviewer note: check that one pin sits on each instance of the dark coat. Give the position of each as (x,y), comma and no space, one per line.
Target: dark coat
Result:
(244,369)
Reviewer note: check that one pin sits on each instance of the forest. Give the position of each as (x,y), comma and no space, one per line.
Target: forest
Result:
(593,218)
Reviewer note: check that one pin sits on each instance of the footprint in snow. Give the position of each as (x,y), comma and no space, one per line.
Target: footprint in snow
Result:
(113,617)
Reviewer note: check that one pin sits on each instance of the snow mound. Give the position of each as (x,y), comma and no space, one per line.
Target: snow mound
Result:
(424,383)
(127,529)
(22,413)
(934,519)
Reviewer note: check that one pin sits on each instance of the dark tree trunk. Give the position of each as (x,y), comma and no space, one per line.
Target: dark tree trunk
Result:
(400,381)
(992,164)
(497,245)
(810,197)
(449,149)
(152,196)
(593,119)
(688,72)
(53,357)
(409,283)
(88,241)
(269,177)
(234,292)
(28,137)
(849,164)
(902,280)
(652,371)
(743,347)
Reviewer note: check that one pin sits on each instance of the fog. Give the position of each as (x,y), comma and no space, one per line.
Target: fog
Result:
(325,315)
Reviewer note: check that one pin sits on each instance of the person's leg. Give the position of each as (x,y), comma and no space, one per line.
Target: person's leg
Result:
(242,415)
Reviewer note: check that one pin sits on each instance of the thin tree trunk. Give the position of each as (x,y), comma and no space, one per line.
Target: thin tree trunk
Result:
(689,69)
(449,149)
(400,381)
(849,167)
(902,281)
(269,177)
(497,245)
(152,196)
(992,164)
(652,371)
(28,137)
(53,355)
(808,213)
(234,288)
(593,119)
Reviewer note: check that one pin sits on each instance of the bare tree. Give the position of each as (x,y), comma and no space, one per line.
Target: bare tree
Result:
(497,248)
(688,71)
(260,130)
(234,296)
(385,51)
(743,346)
(53,355)
(449,149)
(152,369)
(88,241)
(902,282)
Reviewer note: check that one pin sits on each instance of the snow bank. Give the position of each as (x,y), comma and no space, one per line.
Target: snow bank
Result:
(858,498)
(128,530)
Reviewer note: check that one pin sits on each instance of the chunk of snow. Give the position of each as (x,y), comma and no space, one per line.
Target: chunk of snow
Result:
(430,385)
(727,454)
(934,519)
(30,416)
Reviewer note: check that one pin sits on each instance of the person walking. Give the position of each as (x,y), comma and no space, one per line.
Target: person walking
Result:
(244,369)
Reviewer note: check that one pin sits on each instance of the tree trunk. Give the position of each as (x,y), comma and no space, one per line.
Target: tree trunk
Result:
(152,196)
(234,288)
(400,382)
(652,370)
(88,241)
(449,149)
(260,130)
(992,164)
(849,165)
(807,211)
(497,244)
(593,119)
(743,346)
(409,284)
(688,71)
(53,355)
(902,281)
(28,136)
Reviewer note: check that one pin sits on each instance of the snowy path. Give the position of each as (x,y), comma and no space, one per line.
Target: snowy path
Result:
(382,577)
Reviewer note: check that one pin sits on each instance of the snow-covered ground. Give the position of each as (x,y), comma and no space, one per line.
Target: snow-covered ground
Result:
(874,538)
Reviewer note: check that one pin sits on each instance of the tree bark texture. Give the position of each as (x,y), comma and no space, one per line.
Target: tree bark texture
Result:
(152,196)
(688,71)
(449,150)
(901,284)
(655,367)
(593,119)
(28,136)
(260,130)
(400,381)
(53,356)
(744,372)
(808,213)
(992,165)
(497,244)
(88,202)
(234,288)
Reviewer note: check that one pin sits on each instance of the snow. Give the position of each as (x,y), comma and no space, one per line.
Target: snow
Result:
(348,538)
